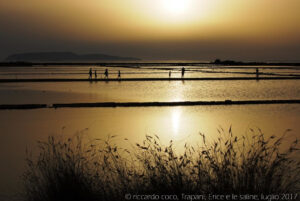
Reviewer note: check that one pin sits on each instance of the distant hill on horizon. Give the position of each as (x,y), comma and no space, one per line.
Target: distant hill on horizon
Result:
(64,57)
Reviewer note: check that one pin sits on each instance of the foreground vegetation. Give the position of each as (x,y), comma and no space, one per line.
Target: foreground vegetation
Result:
(74,169)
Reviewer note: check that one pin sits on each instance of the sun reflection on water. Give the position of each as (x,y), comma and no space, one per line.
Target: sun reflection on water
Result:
(176,120)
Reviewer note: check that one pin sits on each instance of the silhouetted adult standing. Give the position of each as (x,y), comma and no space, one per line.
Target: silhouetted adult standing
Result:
(119,74)
(257,72)
(169,74)
(182,72)
(95,74)
(106,73)
(90,73)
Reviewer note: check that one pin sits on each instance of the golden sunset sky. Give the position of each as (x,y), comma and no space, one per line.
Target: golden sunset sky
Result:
(154,29)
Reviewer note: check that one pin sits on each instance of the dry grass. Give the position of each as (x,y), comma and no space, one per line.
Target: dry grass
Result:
(75,170)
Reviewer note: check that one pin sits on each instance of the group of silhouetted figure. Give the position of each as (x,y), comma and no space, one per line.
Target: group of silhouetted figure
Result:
(182,72)
(105,74)
(119,73)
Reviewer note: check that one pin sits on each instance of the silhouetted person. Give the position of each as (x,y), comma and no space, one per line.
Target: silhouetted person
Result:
(106,73)
(182,72)
(95,74)
(119,74)
(257,73)
(169,74)
(90,73)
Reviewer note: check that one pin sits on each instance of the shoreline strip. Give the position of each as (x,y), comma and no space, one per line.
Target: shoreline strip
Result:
(145,104)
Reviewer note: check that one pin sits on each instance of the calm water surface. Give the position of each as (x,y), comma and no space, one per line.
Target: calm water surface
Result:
(18,93)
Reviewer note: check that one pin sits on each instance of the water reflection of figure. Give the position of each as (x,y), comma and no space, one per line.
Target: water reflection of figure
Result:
(119,74)
(106,73)
(90,73)
(182,72)
(95,74)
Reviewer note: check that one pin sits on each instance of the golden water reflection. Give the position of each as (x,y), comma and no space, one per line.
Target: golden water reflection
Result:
(176,115)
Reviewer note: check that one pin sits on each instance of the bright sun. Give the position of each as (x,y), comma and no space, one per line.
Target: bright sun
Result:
(177,12)
(175,7)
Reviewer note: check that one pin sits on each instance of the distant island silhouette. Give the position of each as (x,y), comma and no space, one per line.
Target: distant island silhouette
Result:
(64,57)
(232,62)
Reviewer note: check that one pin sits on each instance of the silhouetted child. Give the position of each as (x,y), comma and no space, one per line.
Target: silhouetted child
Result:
(106,73)
(90,73)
